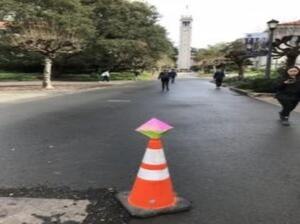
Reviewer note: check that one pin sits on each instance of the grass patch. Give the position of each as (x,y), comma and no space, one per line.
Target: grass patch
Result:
(204,75)
(11,76)
(147,76)
(119,76)
(78,77)
(116,76)
(130,76)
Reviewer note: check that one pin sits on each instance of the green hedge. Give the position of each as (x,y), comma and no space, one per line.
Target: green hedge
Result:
(255,83)
(114,76)
(10,76)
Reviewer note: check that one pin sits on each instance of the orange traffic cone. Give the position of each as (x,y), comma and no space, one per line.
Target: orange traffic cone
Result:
(152,193)
(153,186)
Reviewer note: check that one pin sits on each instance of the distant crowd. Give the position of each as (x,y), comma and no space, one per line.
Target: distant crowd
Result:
(165,76)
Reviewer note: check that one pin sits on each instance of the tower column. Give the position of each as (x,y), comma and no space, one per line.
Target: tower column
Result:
(184,56)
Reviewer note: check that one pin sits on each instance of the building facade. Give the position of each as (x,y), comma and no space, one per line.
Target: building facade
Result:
(184,61)
(258,40)
(287,29)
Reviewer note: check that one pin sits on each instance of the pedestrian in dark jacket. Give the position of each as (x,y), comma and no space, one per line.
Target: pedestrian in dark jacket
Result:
(288,93)
(173,75)
(218,77)
(165,78)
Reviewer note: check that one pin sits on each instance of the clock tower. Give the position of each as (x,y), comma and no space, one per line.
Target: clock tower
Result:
(184,56)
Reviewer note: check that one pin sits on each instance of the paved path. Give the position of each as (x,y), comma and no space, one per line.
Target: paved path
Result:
(24,91)
(227,153)
(274,101)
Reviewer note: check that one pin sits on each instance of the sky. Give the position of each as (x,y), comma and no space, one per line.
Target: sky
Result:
(224,20)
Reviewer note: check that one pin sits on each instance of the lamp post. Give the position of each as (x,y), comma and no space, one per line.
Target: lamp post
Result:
(272,26)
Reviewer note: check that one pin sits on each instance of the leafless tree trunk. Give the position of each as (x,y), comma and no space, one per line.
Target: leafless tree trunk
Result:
(291,60)
(288,46)
(241,72)
(48,39)
(47,73)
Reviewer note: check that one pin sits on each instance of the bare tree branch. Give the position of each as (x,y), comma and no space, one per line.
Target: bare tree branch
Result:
(287,47)
(46,38)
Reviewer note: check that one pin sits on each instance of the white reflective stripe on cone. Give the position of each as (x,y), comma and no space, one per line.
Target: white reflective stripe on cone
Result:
(153,175)
(154,157)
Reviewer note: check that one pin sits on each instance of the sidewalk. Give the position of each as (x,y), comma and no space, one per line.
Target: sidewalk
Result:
(265,97)
(273,101)
(43,205)
(27,90)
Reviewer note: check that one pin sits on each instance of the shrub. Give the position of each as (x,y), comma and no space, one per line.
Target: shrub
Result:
(259,85)
(255,83)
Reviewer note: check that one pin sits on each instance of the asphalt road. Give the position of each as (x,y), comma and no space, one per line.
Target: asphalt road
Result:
(227,153)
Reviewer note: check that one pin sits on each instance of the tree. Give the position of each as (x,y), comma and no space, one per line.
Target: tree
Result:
(106,34)
(210,57)
(236,53)
(46,28)
(13,59)
(165,62)
(289,47)
(48,40)
(128,36)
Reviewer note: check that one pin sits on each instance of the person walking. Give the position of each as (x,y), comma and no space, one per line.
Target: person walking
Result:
(218,77)
(165,78)
(288,93)
(105,76)
(173,75)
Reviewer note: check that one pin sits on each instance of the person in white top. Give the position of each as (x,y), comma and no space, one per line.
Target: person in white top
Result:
(105,76)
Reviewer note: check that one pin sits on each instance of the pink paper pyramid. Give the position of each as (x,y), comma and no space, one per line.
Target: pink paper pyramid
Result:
(154,128)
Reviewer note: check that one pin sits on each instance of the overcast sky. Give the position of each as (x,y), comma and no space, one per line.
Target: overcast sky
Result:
(224,20)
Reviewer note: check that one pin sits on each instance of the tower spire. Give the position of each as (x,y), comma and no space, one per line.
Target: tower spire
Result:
(187,10)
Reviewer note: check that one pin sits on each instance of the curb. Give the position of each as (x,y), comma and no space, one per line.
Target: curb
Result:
(250,93)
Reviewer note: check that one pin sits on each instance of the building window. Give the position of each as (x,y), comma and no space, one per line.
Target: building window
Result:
(186,23)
